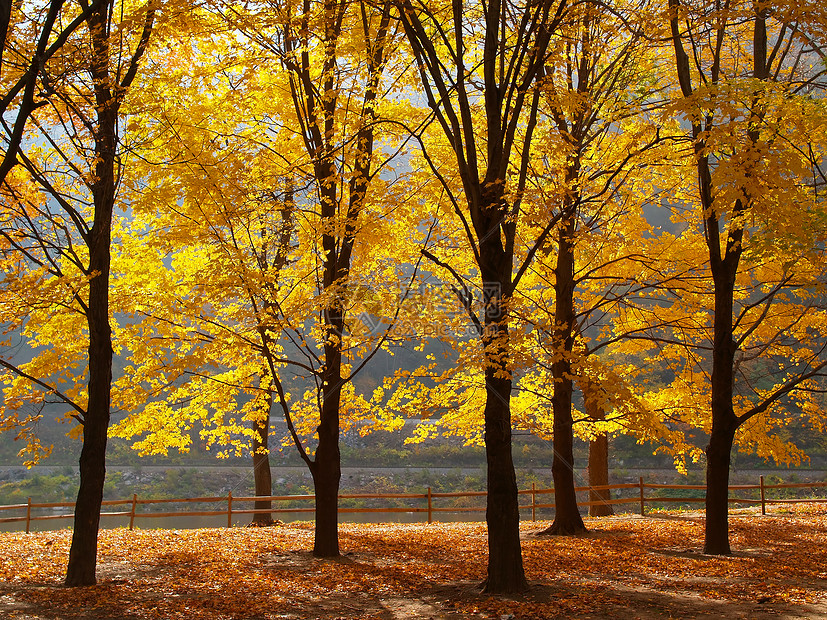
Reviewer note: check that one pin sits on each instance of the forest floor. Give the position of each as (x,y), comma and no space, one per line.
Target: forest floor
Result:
(625,567)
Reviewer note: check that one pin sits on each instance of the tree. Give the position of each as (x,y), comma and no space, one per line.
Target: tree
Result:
(750,86)
(595,72)
(280,312)
(479,65)
(316,107)
(61,240)
(200,349)
(598,167)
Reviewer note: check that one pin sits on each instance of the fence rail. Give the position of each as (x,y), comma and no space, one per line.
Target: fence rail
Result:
(533,502)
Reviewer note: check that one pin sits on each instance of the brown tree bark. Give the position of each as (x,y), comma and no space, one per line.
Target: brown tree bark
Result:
(505,560)
(716,527)
(83,551)
(484,156)
(108,97)
(599,476)
(598,453)
(567,519)
(724,260)
(724,421)
(724,268)
(262,476)
(326,467)
(316,107)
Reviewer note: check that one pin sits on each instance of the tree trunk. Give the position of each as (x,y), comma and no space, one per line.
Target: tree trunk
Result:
(599,476)
(506,573)
(723,263)
(326,468)
(724,421)
(598,455)
(262,477)
(505,560)
(108,95)
(716,531)
(567,519)
(326,475)
(83,552)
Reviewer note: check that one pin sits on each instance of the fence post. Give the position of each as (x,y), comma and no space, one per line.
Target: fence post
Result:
(533,502)
(641,497)
(132,512)
(763,496)
(28,513)
(430,506)
(230,509)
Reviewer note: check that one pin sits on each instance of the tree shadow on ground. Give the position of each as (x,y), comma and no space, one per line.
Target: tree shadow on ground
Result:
(635,569)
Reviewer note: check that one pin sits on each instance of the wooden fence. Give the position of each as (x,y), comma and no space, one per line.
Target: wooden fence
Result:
(532,500)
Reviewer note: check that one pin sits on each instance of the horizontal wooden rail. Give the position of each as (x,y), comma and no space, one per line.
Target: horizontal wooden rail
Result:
(300,502)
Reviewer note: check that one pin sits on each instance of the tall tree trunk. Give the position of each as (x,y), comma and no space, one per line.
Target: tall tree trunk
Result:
(83,552)
(716,530)
(724,269)
(598,455)
(724,420)
(262,477)
(723,263)
(326,467)
(599,477)
(506,573)
(108,98)
(505,560)
(508,69)
(567,519)
(317,109)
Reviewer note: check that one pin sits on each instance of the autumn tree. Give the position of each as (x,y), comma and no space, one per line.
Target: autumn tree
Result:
(479,64)
(291,269)
(600,94)
(751,79)
(315,93)
(57,232)
(214,220)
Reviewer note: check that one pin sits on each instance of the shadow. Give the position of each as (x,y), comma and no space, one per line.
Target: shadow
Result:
(633,570)
(689,517)
(592,533)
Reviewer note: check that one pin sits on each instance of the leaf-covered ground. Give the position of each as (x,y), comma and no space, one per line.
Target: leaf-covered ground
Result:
(629,567)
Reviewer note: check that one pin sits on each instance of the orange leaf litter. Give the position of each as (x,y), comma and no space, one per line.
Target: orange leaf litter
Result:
(626,567)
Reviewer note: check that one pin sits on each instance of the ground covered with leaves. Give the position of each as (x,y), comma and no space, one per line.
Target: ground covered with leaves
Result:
(631,567)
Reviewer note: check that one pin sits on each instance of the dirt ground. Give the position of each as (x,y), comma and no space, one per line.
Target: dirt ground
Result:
(626,567)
